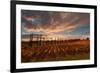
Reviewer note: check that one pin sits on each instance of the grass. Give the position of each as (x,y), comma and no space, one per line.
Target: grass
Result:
(43,51)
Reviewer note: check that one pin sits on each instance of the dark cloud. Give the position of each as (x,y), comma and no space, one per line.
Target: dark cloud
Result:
(53,22)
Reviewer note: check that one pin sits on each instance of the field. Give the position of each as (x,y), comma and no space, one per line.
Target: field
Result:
(41,51)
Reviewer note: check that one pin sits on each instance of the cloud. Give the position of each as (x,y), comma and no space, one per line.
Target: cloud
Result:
(53,22)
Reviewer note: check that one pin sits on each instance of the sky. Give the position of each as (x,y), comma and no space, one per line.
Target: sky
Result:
(55,24)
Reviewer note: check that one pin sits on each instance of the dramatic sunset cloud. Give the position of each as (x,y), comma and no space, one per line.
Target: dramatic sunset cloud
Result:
(56,23)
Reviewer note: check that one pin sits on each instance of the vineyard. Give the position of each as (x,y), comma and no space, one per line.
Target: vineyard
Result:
(41,51)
